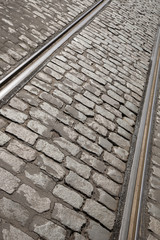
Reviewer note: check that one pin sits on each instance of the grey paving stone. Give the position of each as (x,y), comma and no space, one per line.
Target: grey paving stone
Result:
(52,73)
(44,117)
(68,146)
(156,171)
(13,114)
(22,150)
(114,161)
(44,77)
(33,198)
(8,182)
(18,104)
(65,131)
(38,178)
(29,98)
(127,112)
(100,213)
(97,127)
(150,237)
(92,97)
(124,133)
(2,123)
(78,236)
(12,233)
(155,182)
(10,161)
(105,143)
(121,153)
(86,102)
(107,200)
(47,229)
(81,169)
(154,194)
(154,209)
(92,89)
(69,196)
(84,109)
(22,133)
(110,101)
(87,132)
(105,122)
(104,113)
(40,84)
(32,89)
(115,96)
(114,174)
(57,114)
(124,124)
(39,128)
(120,141)
(154,225)
(50,150)
(13,211)
(107,184)
(96,231)
(73,78)
(51,167)
(64,97)
(93,162)
(93,76)
(68,217)
(90,146)
(79,183)
(51,99)
(131,106)
(75,114)
(4,138)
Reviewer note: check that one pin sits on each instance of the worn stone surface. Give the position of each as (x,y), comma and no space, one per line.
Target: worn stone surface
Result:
(10,232)
(33,199)
(8,182)
(96,231)
(68,217)
(47,229)
(65,194)
(3,138)
(13,211)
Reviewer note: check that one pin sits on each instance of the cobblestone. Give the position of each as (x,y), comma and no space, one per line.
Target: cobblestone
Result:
(107,200)
(84,101)
(87,132)
(75,114)
(13,211)
(96,231)
(68,217)
(79,183)
(13,114)
(81,169)
(4,138)
(8,182)
(47,229)
(64,97)
(84,109)
(68,146)
(9,232)
(22,133)
(100,213)
(33,199)
(105,143)
(53,100)
(106,123)
(120,141)
(93,162)
(18,104)
(39,128)
(107,184)
(65,194)
(10,161)
(97,127)
(50,167)
(22,150)
(90,146)
(50,150)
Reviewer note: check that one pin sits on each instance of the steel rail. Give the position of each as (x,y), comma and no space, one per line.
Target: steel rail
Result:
(45,52)
(131,214)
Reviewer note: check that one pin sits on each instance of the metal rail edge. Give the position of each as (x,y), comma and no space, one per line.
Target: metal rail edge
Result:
(32,63)
(132,209)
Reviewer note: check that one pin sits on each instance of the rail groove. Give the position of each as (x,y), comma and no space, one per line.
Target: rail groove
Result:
(32,63)
(132,210)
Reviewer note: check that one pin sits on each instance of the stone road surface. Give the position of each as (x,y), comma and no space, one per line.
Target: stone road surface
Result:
(66,135)
(153,195)
(25,25)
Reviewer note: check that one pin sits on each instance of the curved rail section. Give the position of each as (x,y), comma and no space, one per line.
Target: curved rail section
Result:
(32,63)
(132,209)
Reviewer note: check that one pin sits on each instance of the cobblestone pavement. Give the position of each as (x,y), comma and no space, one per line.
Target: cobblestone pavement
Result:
(65,137)
(25,25)
(153,200)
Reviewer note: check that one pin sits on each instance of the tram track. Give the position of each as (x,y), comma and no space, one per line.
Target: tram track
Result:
(25,69)
(130,225)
